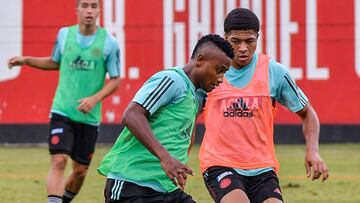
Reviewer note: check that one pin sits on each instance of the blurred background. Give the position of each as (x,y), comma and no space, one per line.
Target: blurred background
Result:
(318,40)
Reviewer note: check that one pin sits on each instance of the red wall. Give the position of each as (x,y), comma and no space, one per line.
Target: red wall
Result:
(27,98)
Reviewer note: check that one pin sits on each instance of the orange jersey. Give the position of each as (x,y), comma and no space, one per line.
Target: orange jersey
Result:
(239,124)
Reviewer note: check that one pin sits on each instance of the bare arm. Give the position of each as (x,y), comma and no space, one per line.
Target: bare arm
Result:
(87,103)
(43,63)
(311,130)
(135,119)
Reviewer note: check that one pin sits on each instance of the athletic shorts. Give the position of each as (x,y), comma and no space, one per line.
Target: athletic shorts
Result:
(73,138)
(221,180)
(117,191)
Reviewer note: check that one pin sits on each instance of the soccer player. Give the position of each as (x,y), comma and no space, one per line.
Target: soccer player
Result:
(237,155)
(83,53)
(147,162)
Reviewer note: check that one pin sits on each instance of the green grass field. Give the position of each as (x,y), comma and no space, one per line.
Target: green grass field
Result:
(23,172)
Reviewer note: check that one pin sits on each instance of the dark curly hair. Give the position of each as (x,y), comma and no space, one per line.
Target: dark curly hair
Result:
(241,19)
(215,40)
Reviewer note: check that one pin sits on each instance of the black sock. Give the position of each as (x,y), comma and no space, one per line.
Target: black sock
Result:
(54,199)
(68,196)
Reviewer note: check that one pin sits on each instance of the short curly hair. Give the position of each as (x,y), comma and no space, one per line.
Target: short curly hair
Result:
(215,40)
(241,19)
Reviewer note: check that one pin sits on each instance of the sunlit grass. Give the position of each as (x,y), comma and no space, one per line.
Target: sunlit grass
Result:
(23,172)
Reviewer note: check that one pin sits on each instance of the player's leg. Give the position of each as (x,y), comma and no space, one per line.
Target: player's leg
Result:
(235,196)
(55,180)
(82,152)
(265,188)
(75,181)
(225,185)
(60,144)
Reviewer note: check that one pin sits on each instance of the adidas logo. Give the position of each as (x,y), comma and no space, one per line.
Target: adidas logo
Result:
(238,114)
(238,109)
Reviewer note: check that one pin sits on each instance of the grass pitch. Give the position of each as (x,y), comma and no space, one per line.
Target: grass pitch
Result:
(23,172)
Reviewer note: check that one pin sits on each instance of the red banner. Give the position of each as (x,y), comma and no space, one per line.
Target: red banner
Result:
(319,42)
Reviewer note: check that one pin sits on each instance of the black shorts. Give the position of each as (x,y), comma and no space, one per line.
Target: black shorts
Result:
(221,180)
(117,191)
(73,138)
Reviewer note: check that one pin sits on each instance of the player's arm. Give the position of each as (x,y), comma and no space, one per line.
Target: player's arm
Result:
(135,119)
(112,64)
(86,104)
(43,63)
(291,96)
(162,89)
(311,130)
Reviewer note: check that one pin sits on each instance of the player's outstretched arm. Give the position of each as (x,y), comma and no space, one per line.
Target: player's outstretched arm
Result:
(43,63)
(314,164)
(135,119)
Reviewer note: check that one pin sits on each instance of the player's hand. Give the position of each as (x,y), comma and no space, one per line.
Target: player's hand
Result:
(176,171)
(15,61)
(315,166)
(86,104)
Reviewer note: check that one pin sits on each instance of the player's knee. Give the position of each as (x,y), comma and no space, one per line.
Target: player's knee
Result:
(236,195)
(80,172)
(58,162)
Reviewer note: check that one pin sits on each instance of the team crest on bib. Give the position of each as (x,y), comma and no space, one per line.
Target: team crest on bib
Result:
(224,183)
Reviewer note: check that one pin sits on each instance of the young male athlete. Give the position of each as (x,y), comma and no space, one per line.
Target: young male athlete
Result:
(147,162)
(83,53)
(237,155)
